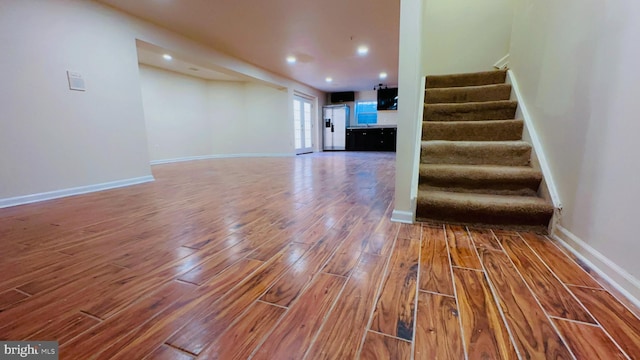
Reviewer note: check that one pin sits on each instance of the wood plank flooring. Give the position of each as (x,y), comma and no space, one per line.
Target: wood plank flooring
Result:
(292,258)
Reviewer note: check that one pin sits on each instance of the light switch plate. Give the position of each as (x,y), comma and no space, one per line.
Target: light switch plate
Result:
(76,81)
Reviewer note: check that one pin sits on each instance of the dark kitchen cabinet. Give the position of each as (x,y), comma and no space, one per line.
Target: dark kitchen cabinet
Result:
(371,139)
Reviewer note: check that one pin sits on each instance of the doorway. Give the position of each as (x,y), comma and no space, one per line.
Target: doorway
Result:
(303,124)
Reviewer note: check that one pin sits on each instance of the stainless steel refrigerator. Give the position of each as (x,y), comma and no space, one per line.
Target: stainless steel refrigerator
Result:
(336,118)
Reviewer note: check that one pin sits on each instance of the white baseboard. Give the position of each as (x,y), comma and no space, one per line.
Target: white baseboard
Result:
(405,217)
(616,276)
(502,63)
(223,156)
(535,140)
(28,199)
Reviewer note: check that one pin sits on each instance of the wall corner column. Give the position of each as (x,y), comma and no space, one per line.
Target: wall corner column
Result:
(409,109)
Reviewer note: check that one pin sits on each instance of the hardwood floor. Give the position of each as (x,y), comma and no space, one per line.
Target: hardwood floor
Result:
(291,258)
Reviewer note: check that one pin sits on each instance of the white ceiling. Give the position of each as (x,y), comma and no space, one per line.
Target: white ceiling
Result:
(323,34)
(151,55)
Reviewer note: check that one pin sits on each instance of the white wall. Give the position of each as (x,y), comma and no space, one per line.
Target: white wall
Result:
(409,108)
(176,114)
(576,62)
(388,117)
(267,125)
(226,110)
(465,36)
(190,117)
(53,138)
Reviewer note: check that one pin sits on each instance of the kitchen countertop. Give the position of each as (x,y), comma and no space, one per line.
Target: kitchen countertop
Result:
(372,127)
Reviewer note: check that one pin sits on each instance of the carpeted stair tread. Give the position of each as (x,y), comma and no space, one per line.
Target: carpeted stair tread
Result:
(487,179)
(479,130)
(505,153)
(474,167)
(469,79)
(486,110)
(492,92)
(483,208)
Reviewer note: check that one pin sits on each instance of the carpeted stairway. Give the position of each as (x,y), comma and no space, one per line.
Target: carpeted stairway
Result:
(474,167)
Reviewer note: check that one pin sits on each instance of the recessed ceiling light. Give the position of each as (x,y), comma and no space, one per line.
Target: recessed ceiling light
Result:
(167,57)
(363,50)
(328,79)
(291,59)
(383,75)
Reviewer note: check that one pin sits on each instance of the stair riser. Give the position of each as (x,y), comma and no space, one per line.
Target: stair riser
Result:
(455,131)
(494,188)
(457,80)
(482,179)
(462,95)
(508,156)
(465,112)
(472,215)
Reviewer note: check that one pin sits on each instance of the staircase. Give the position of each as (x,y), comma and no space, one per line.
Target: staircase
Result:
(474,167)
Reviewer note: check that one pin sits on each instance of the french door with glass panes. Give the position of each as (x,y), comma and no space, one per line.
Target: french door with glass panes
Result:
(302,115)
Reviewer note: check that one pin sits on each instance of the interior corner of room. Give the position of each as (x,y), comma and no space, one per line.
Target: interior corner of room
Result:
(195,102)
(149,96)
(89,102)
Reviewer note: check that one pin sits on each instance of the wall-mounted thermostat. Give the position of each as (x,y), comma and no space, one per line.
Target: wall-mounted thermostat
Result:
(76,81)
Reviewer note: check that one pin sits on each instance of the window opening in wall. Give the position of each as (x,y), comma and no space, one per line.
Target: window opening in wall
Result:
(366,112)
